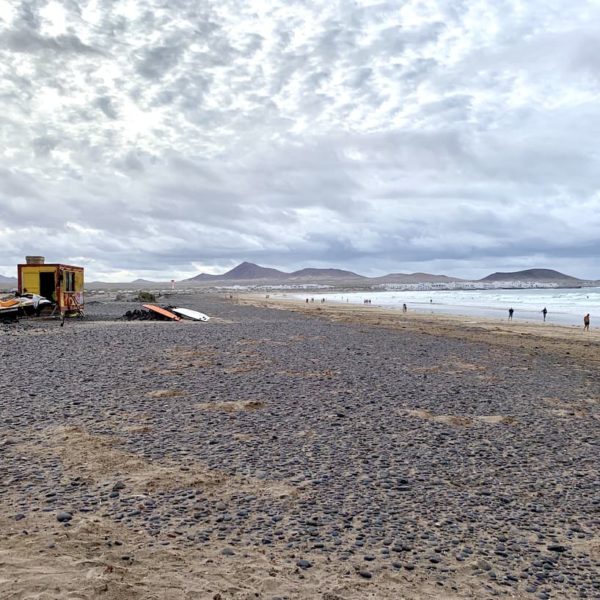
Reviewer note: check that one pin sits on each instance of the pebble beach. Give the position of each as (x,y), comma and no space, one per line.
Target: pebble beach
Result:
(284,451)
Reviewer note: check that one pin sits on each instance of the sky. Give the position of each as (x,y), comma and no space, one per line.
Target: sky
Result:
(164,139)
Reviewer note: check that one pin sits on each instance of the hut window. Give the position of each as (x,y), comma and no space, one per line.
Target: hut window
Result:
(69,281)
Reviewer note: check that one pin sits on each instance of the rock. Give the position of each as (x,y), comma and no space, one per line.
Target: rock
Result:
(303,564)
(63,516)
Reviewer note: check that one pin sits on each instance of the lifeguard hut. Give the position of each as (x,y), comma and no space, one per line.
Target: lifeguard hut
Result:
(62,284)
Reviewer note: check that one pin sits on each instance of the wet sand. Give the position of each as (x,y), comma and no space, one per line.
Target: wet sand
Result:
(341,454)
(558,339)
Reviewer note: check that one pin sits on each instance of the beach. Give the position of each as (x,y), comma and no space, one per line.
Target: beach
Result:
(564,306)
(299,451)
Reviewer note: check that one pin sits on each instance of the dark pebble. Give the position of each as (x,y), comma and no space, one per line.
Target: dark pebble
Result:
(304,564)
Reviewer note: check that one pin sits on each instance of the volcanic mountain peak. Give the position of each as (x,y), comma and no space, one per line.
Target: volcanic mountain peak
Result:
(530,275)
(313,272)
(248,270)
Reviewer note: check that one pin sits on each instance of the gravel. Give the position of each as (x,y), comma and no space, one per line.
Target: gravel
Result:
(397,450)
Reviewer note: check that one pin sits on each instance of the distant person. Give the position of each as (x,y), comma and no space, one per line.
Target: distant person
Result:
(404,308)
(307,301)
(545,312)
(586,322)
(511,312)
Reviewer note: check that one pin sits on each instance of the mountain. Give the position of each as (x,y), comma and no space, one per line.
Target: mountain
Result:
(243,272)
(531,275)
(324,274)
(8,282)
(247,271)
(203,277)
(414,278)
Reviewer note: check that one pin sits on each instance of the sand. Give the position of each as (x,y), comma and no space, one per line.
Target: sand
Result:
(315,451)
(557,339)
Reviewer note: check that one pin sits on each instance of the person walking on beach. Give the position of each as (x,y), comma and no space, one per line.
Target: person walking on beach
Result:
(545,312)
(510,313)
(404,308)
(586,322)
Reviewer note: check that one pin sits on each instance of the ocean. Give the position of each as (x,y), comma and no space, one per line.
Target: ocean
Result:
(565,306)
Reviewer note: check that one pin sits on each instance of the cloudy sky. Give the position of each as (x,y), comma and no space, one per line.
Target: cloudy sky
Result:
(162,139)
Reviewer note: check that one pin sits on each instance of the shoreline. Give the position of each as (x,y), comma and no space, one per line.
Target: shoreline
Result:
(461,307)
(557,339)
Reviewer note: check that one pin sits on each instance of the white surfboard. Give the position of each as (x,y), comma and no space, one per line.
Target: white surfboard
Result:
(188,313)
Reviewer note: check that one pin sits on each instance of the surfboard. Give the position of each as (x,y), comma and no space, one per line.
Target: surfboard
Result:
(162,311)
(188,313)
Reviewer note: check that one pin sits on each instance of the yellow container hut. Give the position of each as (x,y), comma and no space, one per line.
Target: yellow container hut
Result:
(62,284)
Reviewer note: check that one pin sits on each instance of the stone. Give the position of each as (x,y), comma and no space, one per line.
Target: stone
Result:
(303,564)
(63,516)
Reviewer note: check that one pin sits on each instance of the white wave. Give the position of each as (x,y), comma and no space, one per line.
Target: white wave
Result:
(565,306)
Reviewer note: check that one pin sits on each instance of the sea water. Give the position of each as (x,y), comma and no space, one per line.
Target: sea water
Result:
(564,306)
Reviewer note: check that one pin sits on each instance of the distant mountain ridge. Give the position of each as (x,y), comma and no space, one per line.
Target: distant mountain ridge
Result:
(414,278)
(4,279)
(547,275)
(320,273)
(248,271)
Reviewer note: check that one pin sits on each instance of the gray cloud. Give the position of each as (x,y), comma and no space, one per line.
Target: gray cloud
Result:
(155,62)
(105,104)
(27,40)
(43,146)
(161,138)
